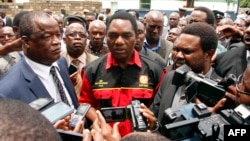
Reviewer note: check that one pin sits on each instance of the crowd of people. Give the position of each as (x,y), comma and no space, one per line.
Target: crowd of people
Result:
(108,63)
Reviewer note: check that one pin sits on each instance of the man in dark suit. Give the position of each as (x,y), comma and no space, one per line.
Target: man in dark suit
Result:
(30,78)
(195,47)
(7,20)
(235,60)
(154,28)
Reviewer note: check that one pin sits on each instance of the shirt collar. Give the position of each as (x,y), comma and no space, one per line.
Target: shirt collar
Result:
(155,48)
(40,69)
(134,61)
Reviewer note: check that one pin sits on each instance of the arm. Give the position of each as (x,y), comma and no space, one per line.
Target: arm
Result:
(15,45)
(86,96)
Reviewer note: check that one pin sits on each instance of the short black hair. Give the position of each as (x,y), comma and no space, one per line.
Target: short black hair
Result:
(136,12)
(27,23)
(210,15)
(207,34)
(125,16)
(18,18)
(21,122)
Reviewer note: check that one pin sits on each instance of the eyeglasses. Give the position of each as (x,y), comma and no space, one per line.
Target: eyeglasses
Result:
(240,85)
(8,35)
(74,34)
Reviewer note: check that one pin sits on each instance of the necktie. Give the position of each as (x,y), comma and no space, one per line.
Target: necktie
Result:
(76,78)
(59,85)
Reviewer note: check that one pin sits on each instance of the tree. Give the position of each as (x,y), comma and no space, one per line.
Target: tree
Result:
(245,3)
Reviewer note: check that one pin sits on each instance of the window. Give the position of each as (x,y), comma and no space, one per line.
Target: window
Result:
(145,4)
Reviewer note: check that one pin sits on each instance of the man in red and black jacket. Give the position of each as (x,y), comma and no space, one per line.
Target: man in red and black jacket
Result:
(123,75)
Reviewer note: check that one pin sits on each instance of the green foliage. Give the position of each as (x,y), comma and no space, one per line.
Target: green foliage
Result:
(245,3)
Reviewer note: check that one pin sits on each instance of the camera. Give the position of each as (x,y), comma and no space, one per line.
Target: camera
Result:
(194,119)
(113,114)
(197,85)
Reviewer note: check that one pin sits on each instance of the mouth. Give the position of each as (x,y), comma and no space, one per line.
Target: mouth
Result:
(78,44)
(57,50)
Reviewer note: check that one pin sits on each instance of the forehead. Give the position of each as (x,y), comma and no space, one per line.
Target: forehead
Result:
(140,26)
(45,24)
(187,40)
(6,30)
(155,18)
(120,25)
(198,15)
(75,27)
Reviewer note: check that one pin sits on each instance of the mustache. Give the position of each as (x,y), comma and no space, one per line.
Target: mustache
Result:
(179,61)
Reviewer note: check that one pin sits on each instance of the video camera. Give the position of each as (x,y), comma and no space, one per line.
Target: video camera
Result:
(113,114)
(207,90)
(190,119)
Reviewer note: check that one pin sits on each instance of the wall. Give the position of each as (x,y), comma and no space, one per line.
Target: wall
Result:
(55,6)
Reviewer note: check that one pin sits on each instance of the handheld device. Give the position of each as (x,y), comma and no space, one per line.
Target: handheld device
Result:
(114,113)
(41,103)
(57,111)
(79,114)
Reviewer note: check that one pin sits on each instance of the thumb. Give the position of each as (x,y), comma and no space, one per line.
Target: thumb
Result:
(116,133)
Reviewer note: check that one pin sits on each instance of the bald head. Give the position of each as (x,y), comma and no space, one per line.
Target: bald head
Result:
(97,24)
(75,26)
(155,15)
(154,26)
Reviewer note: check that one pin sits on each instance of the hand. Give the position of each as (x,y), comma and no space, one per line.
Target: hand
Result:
(228,31)
(15,45)
(149,115)
(219,105)
(86,135)
(101,130)
(63,123)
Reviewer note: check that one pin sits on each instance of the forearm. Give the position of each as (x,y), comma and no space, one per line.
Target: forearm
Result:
(91,115)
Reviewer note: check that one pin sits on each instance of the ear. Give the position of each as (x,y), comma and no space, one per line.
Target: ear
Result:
(25,41)
(209,54)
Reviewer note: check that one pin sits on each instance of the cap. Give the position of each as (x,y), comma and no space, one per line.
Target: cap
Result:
(218,14)
(78,18)
(85,10)
(182,10)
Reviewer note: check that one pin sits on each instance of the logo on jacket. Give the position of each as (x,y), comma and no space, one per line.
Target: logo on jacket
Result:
(143,81)
(101,83)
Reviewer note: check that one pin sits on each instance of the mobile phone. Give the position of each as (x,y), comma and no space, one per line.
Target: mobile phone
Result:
(112,114)
(57,111)
(72,69)
(41,103)
(69,136)
(79,114)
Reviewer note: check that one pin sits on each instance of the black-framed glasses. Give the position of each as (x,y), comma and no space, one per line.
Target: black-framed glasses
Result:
(240,85)
(74,34)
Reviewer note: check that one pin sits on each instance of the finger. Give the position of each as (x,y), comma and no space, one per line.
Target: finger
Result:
(58,124)
(96,125)
(86,135)
(116,133)
(79,127)
(101,120)
(144,108)
(231,96)
(219,105)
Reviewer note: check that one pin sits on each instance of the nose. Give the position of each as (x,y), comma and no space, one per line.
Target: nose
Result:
(179,54)
(119,40)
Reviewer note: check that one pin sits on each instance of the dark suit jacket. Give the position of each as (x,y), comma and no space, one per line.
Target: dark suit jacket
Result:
(231,62)
(165,49)
(23,84)
(8,21)
(165,95)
